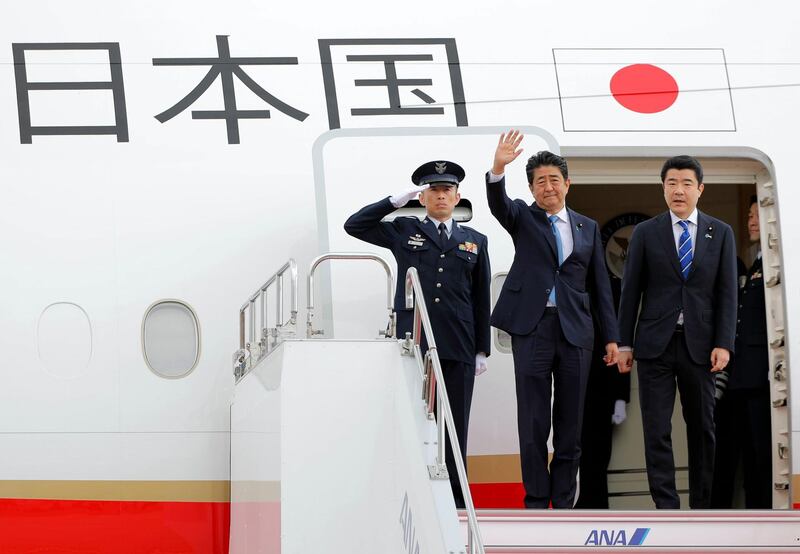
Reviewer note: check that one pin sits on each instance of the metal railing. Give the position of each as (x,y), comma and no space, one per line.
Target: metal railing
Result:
(391,327)
(251,351)
(432,374)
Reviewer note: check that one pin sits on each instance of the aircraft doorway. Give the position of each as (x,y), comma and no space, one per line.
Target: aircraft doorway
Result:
(620,192)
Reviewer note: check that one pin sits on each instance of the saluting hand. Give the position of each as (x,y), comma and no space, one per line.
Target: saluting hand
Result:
(719,359)
(506,151)
(402,198)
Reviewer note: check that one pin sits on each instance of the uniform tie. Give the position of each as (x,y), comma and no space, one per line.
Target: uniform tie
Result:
(559,249)
(685,249)
(442,235)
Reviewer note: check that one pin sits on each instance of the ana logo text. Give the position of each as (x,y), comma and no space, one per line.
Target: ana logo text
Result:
(616,537)
(410,541)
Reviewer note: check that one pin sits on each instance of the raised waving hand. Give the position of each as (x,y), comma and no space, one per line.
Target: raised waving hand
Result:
(507,150)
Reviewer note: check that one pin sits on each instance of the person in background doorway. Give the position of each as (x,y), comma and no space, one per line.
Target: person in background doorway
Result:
(607,395)
(744,432)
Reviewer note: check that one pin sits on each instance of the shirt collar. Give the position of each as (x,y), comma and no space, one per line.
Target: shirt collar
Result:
(561,214)
(448,224)
(691,219)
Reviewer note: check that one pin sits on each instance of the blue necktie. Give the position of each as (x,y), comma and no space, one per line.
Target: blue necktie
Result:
(685,249)
(560,250)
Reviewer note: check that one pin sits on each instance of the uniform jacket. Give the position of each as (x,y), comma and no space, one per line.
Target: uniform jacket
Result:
(580,280)
(750,367)
(455,279)
(653,279)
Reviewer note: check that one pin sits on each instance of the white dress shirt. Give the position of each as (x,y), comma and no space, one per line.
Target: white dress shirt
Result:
(448,225)
(677,231)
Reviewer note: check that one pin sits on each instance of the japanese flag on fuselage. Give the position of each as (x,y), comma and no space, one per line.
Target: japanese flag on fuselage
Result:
(644,89)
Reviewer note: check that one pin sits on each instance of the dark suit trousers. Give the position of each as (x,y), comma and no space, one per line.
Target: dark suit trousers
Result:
(459,380)
(743,433)
(540,358)
(657,380)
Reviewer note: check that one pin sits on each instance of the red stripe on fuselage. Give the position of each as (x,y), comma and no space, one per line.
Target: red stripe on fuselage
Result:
(497,495)
(113,527)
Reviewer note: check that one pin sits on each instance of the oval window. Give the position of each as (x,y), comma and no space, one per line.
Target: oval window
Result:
(171,338)
(502,340)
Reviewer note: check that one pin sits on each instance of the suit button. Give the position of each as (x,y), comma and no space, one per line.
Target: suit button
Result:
(440,270)
(436,300)
(438,285)
(557,272)
(740,305)
(441,255)
(547,291)
(744,292)
(738,321)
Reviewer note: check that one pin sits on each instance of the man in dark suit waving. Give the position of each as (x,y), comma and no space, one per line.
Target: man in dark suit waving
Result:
(681,270)
(453,265)
(545,305)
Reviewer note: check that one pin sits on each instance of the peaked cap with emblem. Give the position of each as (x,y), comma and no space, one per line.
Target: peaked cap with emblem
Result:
(440,172)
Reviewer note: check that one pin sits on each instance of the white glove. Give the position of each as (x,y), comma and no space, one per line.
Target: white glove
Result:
(619,414)
(401,199)
(480,363)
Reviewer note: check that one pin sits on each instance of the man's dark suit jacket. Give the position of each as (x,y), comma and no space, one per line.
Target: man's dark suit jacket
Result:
(455,279)
(581,277)
(707,297)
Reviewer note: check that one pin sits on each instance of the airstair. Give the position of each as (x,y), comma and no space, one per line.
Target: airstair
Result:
(337,446)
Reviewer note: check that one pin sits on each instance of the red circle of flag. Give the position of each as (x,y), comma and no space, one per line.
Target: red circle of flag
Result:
(644,88)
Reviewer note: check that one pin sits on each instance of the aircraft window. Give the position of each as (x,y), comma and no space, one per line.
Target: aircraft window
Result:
(502,340)
(171,339)
(64,340)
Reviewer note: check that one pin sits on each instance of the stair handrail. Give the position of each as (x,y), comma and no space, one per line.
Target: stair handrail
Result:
(251,351)
(433,375)
(390,330)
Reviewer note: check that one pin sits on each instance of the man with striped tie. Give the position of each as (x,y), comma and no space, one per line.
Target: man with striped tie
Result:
(681,270)
(557,278)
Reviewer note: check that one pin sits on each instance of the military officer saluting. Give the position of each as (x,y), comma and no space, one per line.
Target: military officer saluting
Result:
(453,265)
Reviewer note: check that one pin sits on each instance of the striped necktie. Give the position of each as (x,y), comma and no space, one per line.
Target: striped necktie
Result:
(685,249)
(559,249)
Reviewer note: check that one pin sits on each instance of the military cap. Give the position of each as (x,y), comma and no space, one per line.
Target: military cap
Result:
(440,172)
